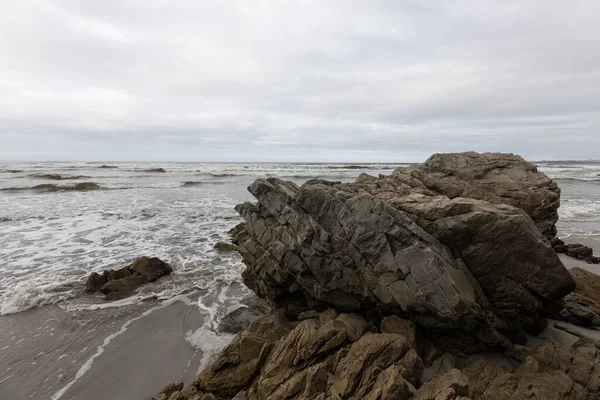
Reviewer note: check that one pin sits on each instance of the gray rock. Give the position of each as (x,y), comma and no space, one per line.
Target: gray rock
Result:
(463,269)
(496,178)
(121,283)
(223,247)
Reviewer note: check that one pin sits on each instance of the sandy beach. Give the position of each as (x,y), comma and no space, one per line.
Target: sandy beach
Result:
(114,353)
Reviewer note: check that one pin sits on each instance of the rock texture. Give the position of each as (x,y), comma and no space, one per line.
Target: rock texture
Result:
(582,307)
(473,272)
(342,357)
(575,250)
(553,371)
(120,283)
(497,178)
(379,287)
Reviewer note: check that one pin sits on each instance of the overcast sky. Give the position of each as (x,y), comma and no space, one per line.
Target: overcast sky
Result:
(255,80)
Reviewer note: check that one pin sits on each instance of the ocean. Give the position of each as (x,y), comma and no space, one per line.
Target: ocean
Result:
(61,221)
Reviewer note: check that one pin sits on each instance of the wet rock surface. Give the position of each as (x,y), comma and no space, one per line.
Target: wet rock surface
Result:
(381,288)
(121,283)
(472,273)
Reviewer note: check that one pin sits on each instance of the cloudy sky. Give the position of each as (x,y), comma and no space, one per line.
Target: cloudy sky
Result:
(273,80)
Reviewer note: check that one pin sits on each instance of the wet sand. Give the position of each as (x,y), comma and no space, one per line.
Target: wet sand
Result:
(116,353)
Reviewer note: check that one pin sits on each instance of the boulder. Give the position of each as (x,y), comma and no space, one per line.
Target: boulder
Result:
(472,272)
(237,365)
(223,247)
(496,178)
(582,307)
(331,356)
(120,283)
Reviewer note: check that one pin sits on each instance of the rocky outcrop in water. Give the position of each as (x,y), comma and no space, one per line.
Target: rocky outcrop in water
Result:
(382,285)
(121,283)
(473,273)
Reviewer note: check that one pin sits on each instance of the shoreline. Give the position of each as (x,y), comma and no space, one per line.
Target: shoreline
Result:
(124,353)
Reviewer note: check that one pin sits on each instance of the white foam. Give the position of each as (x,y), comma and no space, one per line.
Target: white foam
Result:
(209,342)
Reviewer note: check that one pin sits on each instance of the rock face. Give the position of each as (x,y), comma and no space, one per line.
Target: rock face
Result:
(120,283)
(497,178)
(343,357)
(473,272)
(553,371)
(330,357)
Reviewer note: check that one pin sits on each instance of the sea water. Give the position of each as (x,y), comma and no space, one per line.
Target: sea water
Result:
(61,221)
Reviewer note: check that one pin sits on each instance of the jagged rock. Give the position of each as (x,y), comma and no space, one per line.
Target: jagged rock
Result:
(334,357)
(579,251)
(469,272)
(150,268)
(406,328)
(443,364)
(356,326)
(390,384)
(237,365)
(238,233)
(582,307)
(518,352)
(552,372)
(453,385)
(496,178)
(310,314)
(120,283)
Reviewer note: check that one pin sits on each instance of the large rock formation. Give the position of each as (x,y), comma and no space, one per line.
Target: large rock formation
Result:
(377,280)
(473,272)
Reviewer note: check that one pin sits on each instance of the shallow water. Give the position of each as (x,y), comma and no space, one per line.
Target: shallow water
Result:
(60,221)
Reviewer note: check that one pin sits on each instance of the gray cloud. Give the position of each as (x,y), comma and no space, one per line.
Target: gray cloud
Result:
(298,81)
